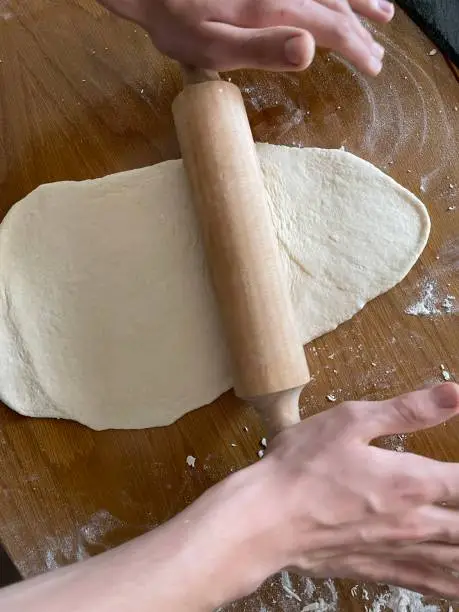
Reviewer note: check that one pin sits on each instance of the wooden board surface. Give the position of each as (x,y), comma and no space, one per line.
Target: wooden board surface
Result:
(84,94)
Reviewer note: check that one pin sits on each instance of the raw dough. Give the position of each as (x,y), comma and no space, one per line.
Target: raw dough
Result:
(106,311)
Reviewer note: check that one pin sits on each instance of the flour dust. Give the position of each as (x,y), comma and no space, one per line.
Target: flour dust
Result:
(287,592)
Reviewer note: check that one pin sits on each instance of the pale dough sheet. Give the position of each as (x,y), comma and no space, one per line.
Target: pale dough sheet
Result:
(107,315)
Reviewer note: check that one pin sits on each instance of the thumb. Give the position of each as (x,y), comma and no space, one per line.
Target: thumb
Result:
(277,48)
(411,412)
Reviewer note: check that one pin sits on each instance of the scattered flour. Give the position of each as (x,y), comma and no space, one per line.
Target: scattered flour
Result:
(59,551)
(288,587)
(329,600)
(401,600)
(290,593)
(99,525)
(395,442)
(448,304)
(431,303)
(287,592)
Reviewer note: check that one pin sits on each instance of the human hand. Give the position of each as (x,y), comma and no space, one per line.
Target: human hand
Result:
(333,506)
(322,502)
(268,34)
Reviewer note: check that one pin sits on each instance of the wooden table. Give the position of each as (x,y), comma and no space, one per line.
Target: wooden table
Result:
(84,94)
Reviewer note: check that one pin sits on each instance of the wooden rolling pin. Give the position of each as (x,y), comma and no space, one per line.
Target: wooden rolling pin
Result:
(269,365)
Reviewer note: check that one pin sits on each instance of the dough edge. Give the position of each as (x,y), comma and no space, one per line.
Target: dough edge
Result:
(51,410)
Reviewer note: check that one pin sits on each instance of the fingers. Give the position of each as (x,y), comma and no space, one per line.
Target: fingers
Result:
(277,48)
(405,413)
(440,555)
(437,524)
(340,31)
(381,11)
(418,576)
(348,21)
(432,481)
(332,23)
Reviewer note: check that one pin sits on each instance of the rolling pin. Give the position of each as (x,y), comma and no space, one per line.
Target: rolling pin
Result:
(268,361)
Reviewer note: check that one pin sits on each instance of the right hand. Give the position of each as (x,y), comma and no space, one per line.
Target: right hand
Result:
(333,506)
(268,34)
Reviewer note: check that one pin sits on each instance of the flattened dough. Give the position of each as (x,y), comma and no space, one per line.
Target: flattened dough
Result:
(106,311)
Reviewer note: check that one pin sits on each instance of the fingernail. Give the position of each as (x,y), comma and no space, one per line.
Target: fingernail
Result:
(375,65)
(293,51)
(446,395)
(386,6)
(377,50)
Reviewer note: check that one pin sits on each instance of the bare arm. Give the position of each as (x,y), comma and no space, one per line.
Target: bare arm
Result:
(193,562)
(323,503)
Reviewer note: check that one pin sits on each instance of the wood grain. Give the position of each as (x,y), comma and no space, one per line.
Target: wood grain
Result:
(84,94)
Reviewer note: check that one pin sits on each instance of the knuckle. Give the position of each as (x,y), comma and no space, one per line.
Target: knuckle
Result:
(412,529)
(181,9)
(407,410)
(344,30)
(409,488)
(341,6)
(445,533)
(257,12)
(417,528)
(351,413)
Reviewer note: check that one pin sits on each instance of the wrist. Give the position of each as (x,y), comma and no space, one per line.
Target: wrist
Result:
(235,534)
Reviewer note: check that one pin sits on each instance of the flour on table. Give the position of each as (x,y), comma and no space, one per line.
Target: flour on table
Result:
(60,551)
(432,302)
(107,315)
(401,600)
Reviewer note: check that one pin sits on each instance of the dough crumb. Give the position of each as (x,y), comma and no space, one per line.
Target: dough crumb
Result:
(331,397)
(261,453)
(444,372)
(433,52)
(191,461)
(264,442)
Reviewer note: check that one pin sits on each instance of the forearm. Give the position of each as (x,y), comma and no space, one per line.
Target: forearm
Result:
(198,561)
